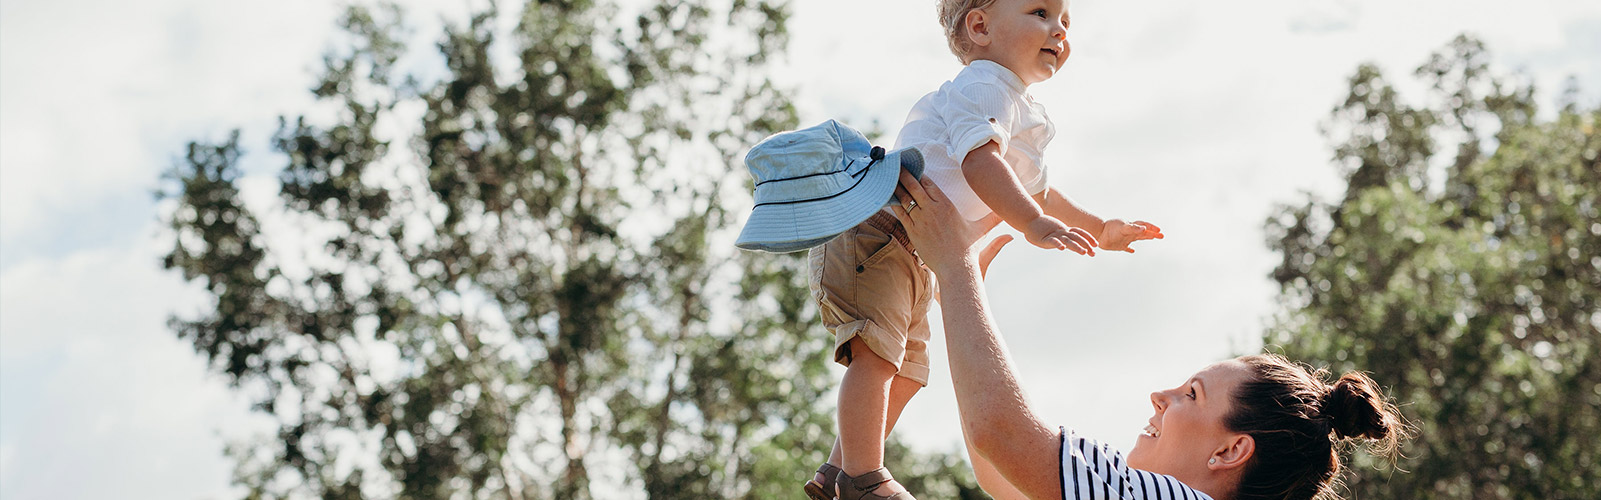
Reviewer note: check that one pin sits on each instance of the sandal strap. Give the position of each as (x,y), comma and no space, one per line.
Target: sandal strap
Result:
(829,472)
(823,489)
(870,479)
(862,486)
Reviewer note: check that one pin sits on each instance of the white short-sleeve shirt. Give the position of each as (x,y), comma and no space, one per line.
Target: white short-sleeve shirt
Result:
(1092,470)
(985,102)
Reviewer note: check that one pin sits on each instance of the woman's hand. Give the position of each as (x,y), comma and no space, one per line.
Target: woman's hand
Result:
(943,239)
(996,419)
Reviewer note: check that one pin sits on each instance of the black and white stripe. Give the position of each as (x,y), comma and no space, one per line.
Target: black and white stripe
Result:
(1092,470)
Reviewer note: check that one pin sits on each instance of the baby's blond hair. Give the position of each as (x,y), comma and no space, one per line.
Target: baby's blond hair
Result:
(953,17)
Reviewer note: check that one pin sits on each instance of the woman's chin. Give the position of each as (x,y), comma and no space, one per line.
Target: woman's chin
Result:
(1136,456)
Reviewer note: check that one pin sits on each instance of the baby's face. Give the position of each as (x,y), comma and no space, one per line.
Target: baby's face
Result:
(1029,37)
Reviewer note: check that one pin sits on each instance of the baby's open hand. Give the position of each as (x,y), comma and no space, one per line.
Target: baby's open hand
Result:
(1117,234)
(1048,233)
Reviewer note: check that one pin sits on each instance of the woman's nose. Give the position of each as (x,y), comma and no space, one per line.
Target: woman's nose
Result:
(1159,400)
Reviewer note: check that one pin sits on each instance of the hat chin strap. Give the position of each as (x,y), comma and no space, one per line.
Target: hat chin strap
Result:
(877,155)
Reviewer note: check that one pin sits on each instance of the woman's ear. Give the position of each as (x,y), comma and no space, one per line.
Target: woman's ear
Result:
(1233,454)
(978,27)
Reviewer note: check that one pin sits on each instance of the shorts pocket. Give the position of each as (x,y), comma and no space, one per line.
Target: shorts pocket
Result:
(890,246)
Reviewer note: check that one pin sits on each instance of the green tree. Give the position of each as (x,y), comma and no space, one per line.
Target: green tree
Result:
(535,294)
(1463,267)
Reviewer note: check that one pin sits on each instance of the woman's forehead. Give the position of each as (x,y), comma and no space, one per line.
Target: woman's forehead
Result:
(1226,372)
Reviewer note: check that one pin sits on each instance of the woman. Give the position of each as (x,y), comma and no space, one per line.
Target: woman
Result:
(1247,428)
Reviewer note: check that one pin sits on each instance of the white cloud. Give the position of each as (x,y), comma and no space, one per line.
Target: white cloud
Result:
(8,459)
(100,95)
(95,385)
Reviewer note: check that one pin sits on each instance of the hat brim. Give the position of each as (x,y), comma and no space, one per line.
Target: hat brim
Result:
(783,228)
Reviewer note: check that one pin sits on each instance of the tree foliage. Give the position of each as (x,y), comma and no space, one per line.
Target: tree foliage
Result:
(1463,267)
(506,270)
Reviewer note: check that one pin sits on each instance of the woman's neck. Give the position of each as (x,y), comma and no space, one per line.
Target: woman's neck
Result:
(1220,485)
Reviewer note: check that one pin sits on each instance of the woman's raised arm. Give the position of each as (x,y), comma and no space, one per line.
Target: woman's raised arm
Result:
(997,421)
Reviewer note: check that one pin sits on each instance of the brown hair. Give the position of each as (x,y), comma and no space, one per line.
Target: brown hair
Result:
(1300,423)
(953,17)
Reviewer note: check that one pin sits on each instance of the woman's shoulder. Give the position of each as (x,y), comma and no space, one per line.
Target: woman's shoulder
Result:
(1095,470)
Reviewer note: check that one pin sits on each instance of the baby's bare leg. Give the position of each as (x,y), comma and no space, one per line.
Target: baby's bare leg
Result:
(863,409)
(901,390)
(864,412)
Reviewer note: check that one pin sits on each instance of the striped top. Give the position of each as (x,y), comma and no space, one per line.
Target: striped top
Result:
(1091,470)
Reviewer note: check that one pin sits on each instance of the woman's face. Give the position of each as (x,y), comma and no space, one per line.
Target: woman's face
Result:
(1188,425)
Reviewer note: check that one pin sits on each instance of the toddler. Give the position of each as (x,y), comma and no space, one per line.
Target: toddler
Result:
(982,138)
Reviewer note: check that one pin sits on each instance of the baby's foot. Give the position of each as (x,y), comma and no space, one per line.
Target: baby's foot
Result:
(821,487)
(871,485)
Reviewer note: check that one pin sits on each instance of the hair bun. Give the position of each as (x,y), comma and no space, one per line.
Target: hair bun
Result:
(1356,408)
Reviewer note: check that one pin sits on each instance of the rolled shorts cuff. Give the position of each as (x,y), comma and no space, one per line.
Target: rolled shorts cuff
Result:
(883,343)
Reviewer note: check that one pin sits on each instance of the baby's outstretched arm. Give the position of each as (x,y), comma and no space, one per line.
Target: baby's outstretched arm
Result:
(994,183)
(1112,234)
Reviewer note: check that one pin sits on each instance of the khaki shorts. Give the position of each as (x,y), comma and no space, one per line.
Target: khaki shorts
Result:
(868,283)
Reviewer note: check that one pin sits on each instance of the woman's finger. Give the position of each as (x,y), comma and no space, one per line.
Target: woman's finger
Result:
(901,215)
(934,193)
(989,252)
(914,187)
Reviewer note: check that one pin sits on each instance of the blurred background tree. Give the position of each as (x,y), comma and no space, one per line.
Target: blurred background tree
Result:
(535,294)
(1463,268)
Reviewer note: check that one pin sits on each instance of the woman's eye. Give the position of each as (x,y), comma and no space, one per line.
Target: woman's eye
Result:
(1039,12)
(1192,393)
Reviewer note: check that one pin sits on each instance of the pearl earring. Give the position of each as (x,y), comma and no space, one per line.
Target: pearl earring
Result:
(1212,460)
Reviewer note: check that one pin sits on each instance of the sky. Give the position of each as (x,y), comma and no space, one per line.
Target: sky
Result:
(1197,116)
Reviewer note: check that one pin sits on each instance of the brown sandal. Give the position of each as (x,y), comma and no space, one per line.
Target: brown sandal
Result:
(861,487)
(825,489)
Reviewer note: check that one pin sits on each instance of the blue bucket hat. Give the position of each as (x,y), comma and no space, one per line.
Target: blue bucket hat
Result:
(814,183)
